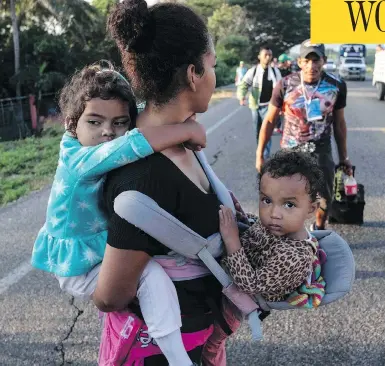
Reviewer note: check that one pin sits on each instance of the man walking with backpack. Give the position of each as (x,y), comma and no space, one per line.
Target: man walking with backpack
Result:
(262,79)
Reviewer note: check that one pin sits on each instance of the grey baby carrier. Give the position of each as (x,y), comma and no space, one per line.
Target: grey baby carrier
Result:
(145,213)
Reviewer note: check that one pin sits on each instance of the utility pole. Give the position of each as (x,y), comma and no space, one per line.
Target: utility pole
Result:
(16,44)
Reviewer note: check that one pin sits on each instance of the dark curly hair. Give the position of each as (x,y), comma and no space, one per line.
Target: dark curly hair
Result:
(288,162)
(157,45)
(94,81)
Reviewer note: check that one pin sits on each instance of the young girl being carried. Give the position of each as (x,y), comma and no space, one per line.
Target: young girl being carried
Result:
(99,108)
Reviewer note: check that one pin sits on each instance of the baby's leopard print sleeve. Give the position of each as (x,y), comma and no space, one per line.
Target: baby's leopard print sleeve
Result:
(279,275)
(241,271)
(287,269)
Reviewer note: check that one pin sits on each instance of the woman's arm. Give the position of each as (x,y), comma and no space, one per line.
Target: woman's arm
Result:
(118,278)
(129,249)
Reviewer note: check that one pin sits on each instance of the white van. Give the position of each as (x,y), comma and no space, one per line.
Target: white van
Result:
(352,68)
(379,74)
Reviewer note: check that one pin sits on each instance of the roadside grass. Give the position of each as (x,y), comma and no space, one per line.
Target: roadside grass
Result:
(30,164)
(220,95)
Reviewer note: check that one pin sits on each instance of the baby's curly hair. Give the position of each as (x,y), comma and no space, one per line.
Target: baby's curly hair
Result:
(94,81)
(288,162)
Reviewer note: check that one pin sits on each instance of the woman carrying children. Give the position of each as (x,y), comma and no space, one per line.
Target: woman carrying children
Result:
(99,107)
(169,58)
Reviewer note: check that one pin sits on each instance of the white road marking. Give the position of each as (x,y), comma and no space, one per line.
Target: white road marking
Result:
(223,120)
(367,129)
(235,111)
(14,276)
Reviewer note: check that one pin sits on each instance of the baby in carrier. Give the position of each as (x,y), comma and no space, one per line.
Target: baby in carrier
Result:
(277,257)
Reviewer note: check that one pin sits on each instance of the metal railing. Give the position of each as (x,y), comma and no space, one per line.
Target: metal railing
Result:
(15,118)
(16,115)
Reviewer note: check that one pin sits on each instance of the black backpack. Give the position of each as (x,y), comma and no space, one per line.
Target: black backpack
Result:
(345,209)
(255,71)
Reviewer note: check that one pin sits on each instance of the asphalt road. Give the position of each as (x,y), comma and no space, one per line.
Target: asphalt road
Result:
(41,326)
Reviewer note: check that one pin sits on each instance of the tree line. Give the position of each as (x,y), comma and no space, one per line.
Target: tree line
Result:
(42,42)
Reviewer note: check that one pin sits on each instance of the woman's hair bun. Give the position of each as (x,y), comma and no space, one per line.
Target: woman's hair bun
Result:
(131,25)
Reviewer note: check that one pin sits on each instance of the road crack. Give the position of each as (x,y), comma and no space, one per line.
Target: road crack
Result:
(216,157)
(60,347)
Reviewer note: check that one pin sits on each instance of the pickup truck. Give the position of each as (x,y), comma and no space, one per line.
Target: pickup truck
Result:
(379,74)
(352,68)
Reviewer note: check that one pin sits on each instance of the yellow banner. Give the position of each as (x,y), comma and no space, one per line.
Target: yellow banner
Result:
(342,21)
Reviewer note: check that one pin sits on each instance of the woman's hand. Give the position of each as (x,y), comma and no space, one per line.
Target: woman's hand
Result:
(241,215)
(229,229)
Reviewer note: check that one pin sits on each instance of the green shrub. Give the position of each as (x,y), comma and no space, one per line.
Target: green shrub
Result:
(225,74)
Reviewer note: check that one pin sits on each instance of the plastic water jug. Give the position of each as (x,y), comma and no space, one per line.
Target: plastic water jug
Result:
(350,186)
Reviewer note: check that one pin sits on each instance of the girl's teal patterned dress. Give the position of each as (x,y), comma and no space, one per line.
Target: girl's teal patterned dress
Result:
(73,238)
